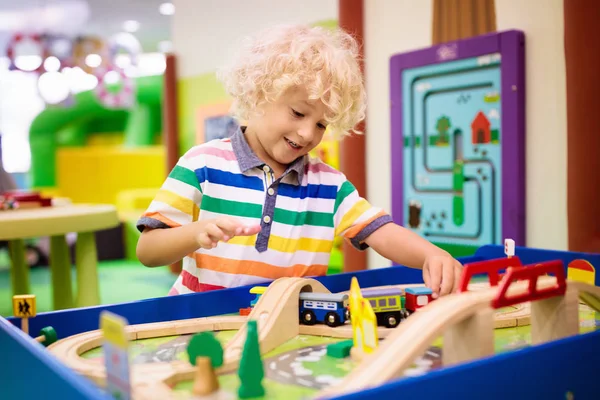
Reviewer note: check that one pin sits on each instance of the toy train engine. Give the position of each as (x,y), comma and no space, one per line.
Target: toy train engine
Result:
(417,297)
(388,305)
(328,308)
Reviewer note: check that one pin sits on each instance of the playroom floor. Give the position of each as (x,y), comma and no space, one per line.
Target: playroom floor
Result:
(120,281)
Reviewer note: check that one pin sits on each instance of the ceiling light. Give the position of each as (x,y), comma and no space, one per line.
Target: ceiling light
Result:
(93,60)
(167,9)
(122,61)
(112,77)
(78,80)
(131,25)
(51,64)
(53,87)
(28,63)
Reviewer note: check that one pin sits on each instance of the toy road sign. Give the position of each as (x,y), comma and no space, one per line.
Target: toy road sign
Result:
(24,306)
(116,356)
(509,247)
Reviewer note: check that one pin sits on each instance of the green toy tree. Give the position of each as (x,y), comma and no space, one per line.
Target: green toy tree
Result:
(205,344)
(442,127)
(251,371)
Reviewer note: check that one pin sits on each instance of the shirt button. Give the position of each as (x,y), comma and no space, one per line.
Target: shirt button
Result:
(266,168)
(267,219)
(271,191)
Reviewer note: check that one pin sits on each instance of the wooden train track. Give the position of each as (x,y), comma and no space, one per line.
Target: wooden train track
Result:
(276,313)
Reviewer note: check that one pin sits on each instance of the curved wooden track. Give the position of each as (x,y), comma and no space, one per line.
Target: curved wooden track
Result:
(412,338)
(69,350)
(276,313)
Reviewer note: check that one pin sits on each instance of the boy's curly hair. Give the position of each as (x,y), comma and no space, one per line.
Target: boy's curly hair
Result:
(324,61)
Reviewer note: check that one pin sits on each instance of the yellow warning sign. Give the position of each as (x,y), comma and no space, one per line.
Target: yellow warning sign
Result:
(24,305)
(113,329)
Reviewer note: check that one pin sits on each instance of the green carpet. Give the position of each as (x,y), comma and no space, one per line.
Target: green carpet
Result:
(120,281)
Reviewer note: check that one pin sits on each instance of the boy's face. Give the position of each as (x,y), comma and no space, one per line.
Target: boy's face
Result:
(289,128)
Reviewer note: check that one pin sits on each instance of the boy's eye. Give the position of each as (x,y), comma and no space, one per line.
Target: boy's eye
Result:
(321,126)
(297,114)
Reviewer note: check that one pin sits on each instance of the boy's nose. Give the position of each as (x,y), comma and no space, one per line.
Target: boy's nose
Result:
(306,134)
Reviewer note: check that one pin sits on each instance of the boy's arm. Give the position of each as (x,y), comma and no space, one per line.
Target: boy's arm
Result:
(159,247)
(441,272)
(367,226)
(402,246)
(169,225)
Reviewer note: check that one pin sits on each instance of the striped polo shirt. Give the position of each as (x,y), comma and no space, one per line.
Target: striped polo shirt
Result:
(300,214)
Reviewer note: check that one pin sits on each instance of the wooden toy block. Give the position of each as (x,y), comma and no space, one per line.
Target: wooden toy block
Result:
(245,311)
(582,271)
(469,339)
(555,317)
(340,349)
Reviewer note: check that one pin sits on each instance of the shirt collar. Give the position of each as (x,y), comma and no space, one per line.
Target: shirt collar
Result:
(247,159)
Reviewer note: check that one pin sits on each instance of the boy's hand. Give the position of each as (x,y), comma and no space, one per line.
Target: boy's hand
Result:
(441,274)
(222,229)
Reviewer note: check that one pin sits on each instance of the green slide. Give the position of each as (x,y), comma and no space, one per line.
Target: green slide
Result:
(61,126)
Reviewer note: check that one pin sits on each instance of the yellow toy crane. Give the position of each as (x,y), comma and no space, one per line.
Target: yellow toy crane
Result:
(364,321)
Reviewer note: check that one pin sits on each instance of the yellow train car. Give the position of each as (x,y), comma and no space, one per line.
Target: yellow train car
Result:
(388,304)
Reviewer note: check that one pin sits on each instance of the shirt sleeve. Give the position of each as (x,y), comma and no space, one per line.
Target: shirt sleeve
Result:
(177,202)
(354,217)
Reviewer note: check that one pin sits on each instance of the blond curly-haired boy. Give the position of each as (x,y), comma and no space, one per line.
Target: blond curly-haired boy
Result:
(256,206)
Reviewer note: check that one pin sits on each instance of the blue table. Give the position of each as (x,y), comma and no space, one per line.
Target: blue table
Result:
(545,371)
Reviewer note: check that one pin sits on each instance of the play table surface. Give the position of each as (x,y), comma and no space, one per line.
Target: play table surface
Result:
(56,222)
(559,369)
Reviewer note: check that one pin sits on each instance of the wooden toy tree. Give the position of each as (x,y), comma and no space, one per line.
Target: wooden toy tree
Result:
(206,353)
(205,344)
(251,371)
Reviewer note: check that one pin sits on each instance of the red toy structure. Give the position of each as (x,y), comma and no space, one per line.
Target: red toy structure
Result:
(531,273)
(491,268)
(18,199)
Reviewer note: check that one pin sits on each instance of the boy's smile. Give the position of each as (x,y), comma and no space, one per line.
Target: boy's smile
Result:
(286,129)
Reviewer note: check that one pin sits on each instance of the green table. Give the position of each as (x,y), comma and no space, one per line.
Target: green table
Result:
(56,222)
